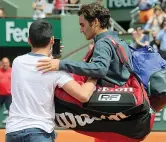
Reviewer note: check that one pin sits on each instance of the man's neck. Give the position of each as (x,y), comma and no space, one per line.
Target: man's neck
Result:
(101,31)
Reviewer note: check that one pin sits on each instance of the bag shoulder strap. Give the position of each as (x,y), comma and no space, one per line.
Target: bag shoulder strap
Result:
(121,53)
(122,56)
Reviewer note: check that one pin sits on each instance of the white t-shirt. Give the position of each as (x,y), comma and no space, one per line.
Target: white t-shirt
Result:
(33,95)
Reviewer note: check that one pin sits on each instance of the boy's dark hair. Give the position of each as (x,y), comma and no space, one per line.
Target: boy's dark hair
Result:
(40,33)
(95,10)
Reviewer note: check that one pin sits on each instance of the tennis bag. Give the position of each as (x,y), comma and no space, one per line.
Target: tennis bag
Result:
(122,110)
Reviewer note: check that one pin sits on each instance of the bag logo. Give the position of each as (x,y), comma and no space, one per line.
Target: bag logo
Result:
(69,120)
(120,89)
(109,97)
(116,117)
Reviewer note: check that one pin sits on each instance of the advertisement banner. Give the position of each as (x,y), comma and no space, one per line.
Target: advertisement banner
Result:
(14,31)
(121,4)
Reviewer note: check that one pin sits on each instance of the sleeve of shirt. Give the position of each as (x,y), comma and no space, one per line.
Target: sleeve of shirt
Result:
(99,65)
(63,78)
(159,35)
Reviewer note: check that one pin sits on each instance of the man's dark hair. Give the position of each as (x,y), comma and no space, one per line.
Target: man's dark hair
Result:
(95,10)
(40,33)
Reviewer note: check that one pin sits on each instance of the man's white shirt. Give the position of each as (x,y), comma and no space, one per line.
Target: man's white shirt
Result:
(33,95)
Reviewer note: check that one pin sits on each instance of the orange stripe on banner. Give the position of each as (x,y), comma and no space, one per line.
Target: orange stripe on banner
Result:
(71,136)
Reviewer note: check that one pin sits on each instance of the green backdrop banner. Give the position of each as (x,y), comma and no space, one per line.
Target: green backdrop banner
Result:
(14,32)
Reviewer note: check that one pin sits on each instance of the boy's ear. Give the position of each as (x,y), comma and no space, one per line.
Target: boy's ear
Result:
(29,42)
(52,40)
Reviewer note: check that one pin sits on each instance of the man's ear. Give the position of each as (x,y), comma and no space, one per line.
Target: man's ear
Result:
(96,22)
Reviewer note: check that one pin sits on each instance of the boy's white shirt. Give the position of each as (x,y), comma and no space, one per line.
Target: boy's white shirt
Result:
(33,95)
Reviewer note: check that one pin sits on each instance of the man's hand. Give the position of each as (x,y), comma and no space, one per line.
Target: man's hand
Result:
(46,65)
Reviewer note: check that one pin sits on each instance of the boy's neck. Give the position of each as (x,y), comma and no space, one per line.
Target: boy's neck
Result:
(43,51)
